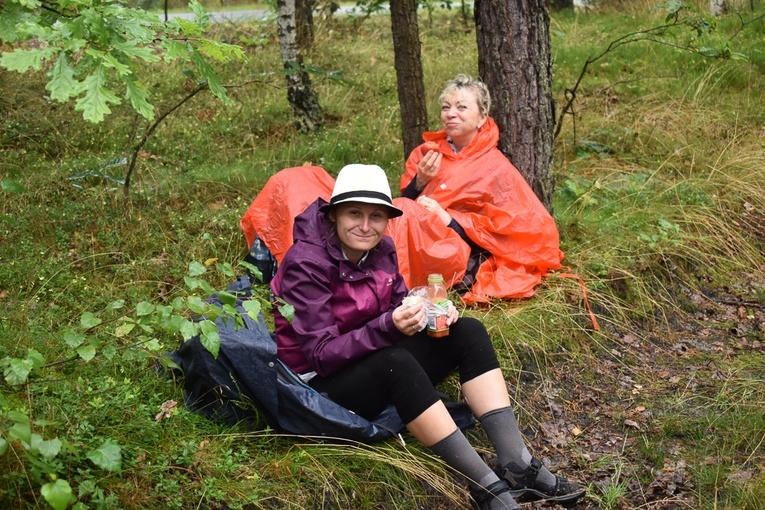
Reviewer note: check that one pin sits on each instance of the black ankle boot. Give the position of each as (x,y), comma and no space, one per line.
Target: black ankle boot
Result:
(525,487)
(483,496)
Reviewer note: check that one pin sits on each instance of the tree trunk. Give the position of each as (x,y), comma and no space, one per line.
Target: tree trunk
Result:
(718,7)
(408,63)
(514,61)
(304,24)
(300,93)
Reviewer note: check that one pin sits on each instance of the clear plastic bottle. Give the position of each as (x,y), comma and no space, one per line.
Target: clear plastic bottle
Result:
(437,312)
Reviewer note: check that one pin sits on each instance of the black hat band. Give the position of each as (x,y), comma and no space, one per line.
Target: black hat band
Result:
(361,194)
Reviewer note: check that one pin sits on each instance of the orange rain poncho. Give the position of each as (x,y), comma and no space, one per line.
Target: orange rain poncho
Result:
(479,188)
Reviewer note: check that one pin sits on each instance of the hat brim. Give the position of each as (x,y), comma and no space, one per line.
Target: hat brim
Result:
(393,211)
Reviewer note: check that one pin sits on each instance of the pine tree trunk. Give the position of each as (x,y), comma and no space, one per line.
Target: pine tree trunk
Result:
(300,93)
(408,63)
(514,61)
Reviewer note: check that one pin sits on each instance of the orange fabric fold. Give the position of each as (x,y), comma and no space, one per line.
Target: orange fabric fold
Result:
(425,245)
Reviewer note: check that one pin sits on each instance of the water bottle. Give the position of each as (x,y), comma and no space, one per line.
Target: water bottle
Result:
(438,309)
(261,258)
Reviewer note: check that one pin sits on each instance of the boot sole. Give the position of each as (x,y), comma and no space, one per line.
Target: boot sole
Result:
(526,495)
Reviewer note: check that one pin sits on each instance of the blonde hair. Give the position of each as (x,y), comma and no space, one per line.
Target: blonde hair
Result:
(463,81)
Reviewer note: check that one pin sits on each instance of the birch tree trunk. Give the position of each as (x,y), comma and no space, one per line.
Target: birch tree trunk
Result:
(514,61)
(718,7)
(300,93)
(304,24)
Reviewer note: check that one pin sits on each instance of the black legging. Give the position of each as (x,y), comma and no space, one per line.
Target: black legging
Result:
(406,374)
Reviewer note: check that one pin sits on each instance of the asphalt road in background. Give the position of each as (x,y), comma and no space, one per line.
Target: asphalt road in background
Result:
(244,15)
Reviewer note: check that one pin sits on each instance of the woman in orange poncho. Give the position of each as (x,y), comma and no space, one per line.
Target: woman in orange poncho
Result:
(468,212)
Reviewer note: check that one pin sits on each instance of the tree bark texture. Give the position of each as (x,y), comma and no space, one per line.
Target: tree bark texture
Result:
(515,63)
(304,24)
(718,7)
(408,63)
(300,93)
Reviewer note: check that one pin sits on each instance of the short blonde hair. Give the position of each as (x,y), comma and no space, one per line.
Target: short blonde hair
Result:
(463,81)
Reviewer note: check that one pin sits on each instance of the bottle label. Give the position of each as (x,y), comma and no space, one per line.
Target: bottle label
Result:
(437,315)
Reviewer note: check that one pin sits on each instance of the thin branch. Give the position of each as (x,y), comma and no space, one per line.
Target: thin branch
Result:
(148,132)
(145,137)
(640,36)
(744,24)
(570,93)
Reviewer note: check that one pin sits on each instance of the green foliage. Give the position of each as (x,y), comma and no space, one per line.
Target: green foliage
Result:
(92,51)
(140,333)
(17,370)
(659,198)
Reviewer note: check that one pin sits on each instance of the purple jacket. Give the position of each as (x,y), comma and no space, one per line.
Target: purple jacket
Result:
(343,312)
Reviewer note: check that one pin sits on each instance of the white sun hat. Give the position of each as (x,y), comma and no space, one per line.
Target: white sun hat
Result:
(363,183)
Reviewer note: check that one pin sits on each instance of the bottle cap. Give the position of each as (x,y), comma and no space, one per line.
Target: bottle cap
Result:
(435,277)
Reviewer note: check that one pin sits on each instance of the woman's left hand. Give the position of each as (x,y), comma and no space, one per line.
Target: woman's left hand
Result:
(452,314)
(431,205)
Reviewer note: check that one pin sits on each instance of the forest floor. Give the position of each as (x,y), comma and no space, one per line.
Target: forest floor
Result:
(678,358)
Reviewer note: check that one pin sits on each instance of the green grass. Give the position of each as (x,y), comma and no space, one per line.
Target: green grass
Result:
(659,198)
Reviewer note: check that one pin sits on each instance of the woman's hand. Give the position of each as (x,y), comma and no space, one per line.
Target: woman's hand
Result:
(409,318)
(431,205)
(427,168)
(451,314)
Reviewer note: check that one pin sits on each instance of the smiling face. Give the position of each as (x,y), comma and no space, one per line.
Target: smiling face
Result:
(359,226)
(461,116)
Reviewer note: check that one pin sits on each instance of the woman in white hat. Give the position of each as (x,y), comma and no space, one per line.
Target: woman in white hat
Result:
(352,340)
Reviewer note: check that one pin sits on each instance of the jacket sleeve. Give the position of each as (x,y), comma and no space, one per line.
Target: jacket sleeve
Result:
(411,192)
(307,285)
(410,170)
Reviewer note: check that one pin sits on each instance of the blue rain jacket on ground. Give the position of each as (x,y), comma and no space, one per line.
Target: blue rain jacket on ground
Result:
(247,384)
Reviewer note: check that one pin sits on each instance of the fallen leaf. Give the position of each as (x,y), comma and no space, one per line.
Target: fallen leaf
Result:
(166,410)
(217,206)
(632,423)
(741,476)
